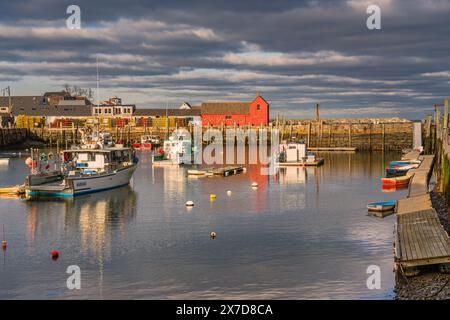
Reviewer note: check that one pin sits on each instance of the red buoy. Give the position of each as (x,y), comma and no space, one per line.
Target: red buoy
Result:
(55,255)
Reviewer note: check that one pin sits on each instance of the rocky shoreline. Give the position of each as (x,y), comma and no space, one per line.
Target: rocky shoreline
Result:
(430,285)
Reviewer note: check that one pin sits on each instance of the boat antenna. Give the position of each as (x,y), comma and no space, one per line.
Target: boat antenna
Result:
(98,81)
(98,94)
(167,118)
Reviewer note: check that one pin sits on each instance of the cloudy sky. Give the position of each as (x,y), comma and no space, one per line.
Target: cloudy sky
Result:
(296,53)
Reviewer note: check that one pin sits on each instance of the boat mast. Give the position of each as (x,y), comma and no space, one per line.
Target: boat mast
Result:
(167,119)
(98,102)
(98,93)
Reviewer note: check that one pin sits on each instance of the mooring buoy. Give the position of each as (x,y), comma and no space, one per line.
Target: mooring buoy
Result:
(213,235)
(189,203)
(255,184)
(212,197)
(54,254)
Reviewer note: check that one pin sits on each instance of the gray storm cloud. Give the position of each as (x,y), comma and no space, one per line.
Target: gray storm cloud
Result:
(296,53)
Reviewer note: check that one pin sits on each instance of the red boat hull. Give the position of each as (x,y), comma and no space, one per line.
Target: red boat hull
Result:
(394,182)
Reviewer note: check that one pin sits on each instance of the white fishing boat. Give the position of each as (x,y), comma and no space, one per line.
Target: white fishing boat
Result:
(4,161)
(85,169)
(175,151)
(295,154)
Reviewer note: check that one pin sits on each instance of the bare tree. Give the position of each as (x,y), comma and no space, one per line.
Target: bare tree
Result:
(76,91)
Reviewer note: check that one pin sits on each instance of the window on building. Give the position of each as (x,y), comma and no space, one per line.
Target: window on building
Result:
(228,117)
(258,107)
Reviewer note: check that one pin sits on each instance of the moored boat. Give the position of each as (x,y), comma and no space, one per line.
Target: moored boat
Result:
(396,181)
(395,172)
(89,168)
(381,206)
(404,162)
(404,166)
(295,154)
(175,151)
(148,142)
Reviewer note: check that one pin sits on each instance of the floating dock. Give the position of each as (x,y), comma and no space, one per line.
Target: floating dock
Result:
(224,171)
(337,149)
(420,238)
(317,162)
(12,191)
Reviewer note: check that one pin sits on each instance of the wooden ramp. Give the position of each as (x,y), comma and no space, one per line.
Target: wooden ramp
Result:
(412,155)
(421,240)
(419,182)
(414,204)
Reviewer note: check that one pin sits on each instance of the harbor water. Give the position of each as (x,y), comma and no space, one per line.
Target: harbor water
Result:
(301,234)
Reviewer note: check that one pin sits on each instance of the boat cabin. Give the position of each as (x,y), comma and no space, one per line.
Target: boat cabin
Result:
(97,160)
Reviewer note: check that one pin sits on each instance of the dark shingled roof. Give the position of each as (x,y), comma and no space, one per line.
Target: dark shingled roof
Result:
(57,93)
(161,112)
(226,107)
(37,106)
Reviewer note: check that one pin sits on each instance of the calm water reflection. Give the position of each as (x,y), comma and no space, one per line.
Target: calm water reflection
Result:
(303,233)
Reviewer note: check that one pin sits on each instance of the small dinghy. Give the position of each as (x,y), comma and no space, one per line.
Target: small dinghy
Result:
(404,162)
(405,167)
(382,206)
(396,181)
(395,172)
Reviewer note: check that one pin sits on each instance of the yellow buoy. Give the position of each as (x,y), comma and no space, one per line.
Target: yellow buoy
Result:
(212,197)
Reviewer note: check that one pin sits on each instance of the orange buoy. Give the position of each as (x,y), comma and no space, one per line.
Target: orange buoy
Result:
(55,255)
(4,244)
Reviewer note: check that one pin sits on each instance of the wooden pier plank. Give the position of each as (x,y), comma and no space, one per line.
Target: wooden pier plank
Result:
(422,239)
(413,204)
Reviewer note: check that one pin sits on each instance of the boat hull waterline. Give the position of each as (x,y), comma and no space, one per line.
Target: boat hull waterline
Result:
(85,185)
(381,206)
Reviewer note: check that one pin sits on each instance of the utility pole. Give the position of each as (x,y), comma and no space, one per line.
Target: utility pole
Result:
(318,112)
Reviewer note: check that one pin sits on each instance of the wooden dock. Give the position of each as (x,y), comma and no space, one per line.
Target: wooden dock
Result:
(420,238)
(224,171)
(336,149)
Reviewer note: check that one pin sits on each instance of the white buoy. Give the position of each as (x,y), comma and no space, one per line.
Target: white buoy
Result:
(189,203)
(229,193)
(254,184)
(213,235)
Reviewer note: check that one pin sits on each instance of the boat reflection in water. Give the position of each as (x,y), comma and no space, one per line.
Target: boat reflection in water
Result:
(90,220)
